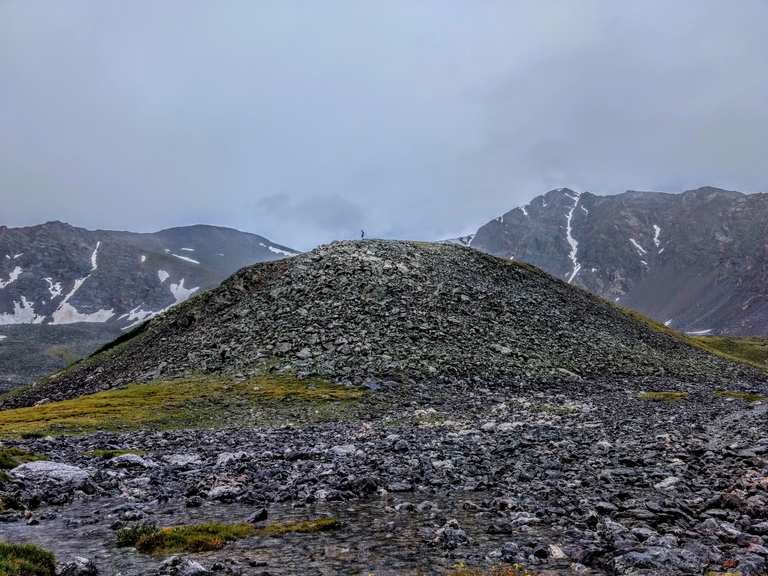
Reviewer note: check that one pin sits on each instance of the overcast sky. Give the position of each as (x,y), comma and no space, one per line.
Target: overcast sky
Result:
(306,121)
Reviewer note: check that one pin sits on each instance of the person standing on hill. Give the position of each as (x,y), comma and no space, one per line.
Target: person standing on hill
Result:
(362,234)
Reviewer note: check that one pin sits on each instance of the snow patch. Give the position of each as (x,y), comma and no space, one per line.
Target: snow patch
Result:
(668,322)
(656,234)
(162,275)
(188,249)
(68,314)
(525,212)
(2,337)
(19,255)
(275,250)
(585,210)
(143,258)
(23,313)
(185,258)
(15,273)
(574,244)
(137,316)
(181,293)
(699,332)
(637,246)
(53,287)
(94,256)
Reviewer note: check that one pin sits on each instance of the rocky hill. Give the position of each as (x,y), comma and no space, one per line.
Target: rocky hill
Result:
(696,261)
(360,312)
(103,282)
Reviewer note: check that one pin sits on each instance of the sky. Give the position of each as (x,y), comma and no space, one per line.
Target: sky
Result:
(308,121)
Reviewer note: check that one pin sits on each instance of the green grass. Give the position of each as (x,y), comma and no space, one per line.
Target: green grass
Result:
(11,457)
(106,454)
(302,526)
(753,351)
(737,395)
(196,538)
(25,560)
(746,350)
(666,396)
(194,402)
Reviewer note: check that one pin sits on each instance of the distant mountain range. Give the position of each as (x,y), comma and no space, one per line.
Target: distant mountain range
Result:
(696,261)
(103,282)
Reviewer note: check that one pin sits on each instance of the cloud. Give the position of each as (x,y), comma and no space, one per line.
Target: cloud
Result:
(305,122)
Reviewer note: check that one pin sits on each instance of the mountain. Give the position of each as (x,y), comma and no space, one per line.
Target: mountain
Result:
(403,311)
(55,275)
(696,261)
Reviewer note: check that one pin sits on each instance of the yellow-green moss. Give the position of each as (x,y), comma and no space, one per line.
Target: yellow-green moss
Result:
(737,395)
(667,396)
(196,538)
(303,526)
(748,349)
(462,569)
(186,402)
(11,457)
(25,560)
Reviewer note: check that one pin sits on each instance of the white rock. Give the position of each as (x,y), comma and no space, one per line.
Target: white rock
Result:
(343,450)
(55,472)
(667,483)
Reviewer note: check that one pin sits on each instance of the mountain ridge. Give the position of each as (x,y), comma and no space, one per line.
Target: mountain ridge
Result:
(695,260)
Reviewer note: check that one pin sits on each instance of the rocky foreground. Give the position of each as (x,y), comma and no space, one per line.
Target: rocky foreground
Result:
(392,408)
(573,478)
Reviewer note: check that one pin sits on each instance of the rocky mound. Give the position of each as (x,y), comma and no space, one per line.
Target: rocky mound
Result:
(366,311)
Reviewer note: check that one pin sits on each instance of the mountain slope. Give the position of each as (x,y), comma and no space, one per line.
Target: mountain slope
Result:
(697,261)
(58,274)
(103,282)
(404,311)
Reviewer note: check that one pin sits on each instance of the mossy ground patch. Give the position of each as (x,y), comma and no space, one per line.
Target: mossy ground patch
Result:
(195,538)
(196,402)
(664,396)
(25,560)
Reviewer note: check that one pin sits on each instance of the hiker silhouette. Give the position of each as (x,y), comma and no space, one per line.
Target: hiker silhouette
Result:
(362,234)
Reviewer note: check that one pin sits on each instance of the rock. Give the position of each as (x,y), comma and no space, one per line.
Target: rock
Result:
(667,483)
(55,474)
(343,450)
(183,460)
(178,566)
(450,536)
(259,516)
(660,560)
(230,458)
(130,461)
(225,492)
(78,566)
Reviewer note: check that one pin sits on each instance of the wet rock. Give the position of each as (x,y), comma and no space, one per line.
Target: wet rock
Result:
(78,566)
(178,566)
(450,536)
(259,516)
(52,478)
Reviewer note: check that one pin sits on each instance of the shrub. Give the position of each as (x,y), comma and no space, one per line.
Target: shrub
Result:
(130,535)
